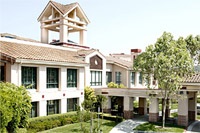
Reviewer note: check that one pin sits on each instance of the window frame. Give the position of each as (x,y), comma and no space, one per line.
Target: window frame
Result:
(108,77)
(34,106)
(118,79)
(132,77)
(26,73)
(49,72)
(72,81)
(55,105)
(74,104)
(140,78)
(97,75)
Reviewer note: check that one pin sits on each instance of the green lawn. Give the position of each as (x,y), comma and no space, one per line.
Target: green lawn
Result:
(158,128)
(198,117)
(173,106)
(76,127)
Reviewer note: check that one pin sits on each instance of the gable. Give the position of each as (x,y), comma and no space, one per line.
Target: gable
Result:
(56,10)
(96,62)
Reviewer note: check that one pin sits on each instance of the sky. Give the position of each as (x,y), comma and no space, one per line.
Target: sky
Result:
(116,25)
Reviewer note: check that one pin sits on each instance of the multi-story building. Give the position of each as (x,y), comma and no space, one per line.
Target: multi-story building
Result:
(57,71)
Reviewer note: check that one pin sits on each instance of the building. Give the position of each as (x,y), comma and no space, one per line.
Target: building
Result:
(57,71)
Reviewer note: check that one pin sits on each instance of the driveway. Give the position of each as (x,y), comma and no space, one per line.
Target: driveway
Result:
(127,126)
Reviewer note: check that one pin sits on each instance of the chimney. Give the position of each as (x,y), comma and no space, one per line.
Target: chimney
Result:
(135,53)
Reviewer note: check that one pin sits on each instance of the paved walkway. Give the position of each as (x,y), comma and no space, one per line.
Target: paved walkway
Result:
(127,126)
(194,127)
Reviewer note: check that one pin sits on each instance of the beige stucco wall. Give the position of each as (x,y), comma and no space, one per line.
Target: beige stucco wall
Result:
(42,94)
(123,71)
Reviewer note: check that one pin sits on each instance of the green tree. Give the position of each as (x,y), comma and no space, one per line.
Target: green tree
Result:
(193,46)
(89,98)
(15,107)
(101,100)
(89,103)
(168,61)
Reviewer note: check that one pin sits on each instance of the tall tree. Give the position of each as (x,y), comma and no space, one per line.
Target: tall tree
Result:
(15,106)
(168,61)
(193,46)
(89,103)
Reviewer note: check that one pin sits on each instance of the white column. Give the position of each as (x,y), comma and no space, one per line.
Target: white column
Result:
(63,30)
(183,110)
(81,79)
(42,76)
(104,73)
(63,105)
(63,78)
(87,76)
(82,38)
(109,102)
(44,32)
(15,74)
(153,110)
(128,103)
(42,105)
(128,107)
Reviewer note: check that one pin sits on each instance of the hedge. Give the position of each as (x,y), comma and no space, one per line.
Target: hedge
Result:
(48,122)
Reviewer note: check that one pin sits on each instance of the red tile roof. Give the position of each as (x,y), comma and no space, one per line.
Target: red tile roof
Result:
(32,52)
(195,78)
(119,61)
(64,8)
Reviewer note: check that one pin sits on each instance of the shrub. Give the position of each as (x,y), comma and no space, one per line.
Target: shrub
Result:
(113,85)
(146,127)
(51,121)
(65,121)
(122,86)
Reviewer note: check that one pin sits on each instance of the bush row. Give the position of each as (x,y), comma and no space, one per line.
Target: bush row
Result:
(48,122)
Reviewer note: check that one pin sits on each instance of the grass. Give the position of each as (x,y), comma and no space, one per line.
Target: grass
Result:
(157,127)
(76,127)
(173,106)
(198,117)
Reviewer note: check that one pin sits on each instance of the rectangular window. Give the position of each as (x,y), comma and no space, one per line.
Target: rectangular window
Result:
(52,107)
(71,77)
(140,78)
(29,77)
(96,78)
(2,71)
(118,78)
(133,78)
(33,112)
(72,104)
(52,78)
(108,77)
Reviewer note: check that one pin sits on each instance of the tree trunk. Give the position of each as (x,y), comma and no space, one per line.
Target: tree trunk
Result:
(164,108)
